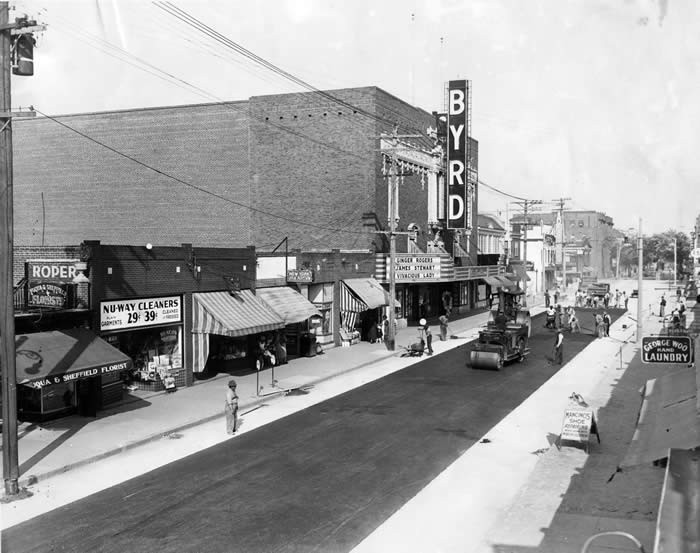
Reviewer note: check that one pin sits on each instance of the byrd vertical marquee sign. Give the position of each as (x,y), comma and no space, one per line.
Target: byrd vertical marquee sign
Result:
(458,208)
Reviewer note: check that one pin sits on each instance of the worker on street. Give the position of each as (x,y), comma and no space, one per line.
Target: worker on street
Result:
(428,339)
(558,350)
(231,407)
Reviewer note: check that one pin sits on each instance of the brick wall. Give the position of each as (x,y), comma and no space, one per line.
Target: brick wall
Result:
(303,157)
(133,271)
(67,188)
(332,180)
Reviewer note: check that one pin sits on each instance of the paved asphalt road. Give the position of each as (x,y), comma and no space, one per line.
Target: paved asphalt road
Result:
(318,480)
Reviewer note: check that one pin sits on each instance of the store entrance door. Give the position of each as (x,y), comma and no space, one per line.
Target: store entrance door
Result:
(88,394)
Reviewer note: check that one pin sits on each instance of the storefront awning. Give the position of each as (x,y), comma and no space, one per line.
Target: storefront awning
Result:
(58,356)
(288,304)
(668,418)
(239,314)
(505,281)
(368,291)
(492,281)
(521,273)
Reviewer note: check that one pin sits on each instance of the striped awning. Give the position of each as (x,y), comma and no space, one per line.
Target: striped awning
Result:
(367,290)
(288,303)
(232,315)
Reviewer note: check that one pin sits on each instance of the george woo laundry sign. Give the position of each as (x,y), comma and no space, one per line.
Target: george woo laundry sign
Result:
(667,349)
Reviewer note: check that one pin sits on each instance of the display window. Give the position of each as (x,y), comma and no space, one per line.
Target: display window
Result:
(46,401)
(321,295)
(156,353)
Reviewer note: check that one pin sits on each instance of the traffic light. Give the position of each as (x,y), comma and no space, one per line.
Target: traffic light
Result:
(23,55)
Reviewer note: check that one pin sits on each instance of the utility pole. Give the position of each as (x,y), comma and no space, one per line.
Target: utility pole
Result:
(393,219)
(640,281)
(561,202)
(16,42)
(525,204)
(675,259)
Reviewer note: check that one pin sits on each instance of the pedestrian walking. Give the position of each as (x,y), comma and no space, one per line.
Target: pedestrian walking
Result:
(546,298)
(385,327)
(443,327)
(607,321)
(599,326)
(558,349)
(625,298)
(557,317)
(549,321)
(574,325)
(231,407)
(428,339)
(617,299)
(556,296)
(662,306)
(606,299)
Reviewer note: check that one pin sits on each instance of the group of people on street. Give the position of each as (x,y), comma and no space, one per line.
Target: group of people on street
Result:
(558,318)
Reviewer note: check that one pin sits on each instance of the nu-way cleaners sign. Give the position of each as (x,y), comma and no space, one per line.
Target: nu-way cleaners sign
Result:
(458,206)
(667,349)
(121,314)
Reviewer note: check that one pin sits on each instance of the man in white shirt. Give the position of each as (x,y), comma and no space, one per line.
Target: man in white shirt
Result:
(558,351)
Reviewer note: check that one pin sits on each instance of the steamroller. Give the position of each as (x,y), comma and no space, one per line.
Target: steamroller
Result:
(506,335)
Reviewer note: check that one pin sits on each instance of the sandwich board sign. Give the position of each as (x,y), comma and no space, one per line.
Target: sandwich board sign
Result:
(578,425)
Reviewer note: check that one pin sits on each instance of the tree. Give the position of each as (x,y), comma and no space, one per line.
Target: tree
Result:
(658,248)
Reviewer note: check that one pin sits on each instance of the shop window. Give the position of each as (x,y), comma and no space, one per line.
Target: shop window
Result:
(463,293)
(326,326)
(156,353)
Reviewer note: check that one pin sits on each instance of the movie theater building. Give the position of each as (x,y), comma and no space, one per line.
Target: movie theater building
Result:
(307,168)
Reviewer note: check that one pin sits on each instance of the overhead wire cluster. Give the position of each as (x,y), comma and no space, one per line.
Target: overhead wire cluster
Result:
(196,27)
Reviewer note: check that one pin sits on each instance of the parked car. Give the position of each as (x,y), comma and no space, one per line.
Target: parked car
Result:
(634,294)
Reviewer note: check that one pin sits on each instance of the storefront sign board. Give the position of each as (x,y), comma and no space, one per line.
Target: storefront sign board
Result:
(78,375)
(667,349)
(51,270)
(140,312)
(577,425)
(47,295)
(300,275)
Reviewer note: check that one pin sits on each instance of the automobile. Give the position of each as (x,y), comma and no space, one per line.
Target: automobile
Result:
(634,294)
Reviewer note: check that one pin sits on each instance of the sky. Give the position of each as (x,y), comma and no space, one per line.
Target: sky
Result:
(593,100)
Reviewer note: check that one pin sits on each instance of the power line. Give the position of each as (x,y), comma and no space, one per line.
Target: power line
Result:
(194,186)
(481,182)
(205,29)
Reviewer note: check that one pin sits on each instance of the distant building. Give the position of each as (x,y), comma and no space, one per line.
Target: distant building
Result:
(589,240)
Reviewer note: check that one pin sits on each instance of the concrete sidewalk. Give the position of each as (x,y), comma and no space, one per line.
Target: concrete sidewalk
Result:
(55,447)
(517,492)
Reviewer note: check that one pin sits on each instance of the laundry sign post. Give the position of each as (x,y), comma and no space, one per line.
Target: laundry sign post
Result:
(667,349)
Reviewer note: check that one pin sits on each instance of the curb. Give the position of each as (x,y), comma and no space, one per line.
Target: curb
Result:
(31,479)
